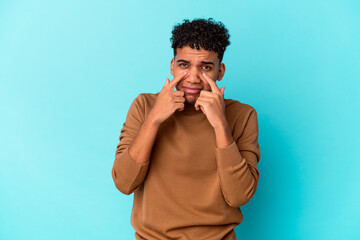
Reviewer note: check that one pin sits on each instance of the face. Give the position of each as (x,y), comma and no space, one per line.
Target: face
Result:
(196,62)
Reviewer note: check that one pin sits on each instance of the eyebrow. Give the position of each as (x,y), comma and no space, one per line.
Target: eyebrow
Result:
(203,62)
(182,60)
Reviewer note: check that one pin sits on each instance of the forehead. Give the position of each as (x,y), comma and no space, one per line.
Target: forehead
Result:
(192,54)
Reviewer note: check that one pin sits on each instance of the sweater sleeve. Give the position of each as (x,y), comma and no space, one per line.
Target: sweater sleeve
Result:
(237,163)
(127,174)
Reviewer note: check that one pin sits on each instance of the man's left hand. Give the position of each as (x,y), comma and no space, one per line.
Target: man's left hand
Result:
(212,104)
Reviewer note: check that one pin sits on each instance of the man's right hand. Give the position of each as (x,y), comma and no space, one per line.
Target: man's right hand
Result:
(168,100)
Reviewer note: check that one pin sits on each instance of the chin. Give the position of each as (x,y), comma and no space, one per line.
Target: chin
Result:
(191,100)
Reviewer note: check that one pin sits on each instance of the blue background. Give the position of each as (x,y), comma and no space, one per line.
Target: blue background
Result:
(69,71)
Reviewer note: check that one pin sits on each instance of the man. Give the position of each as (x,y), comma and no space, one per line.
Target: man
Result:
(189,155)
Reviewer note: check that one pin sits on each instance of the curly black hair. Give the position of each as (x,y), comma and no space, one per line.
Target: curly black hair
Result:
(205,33)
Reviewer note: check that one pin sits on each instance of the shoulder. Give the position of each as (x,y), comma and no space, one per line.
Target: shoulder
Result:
(146,99)
(147,96)
(242,118)
(236,109)
(143,104)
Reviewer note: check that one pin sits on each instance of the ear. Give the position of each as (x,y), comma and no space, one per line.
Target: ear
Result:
(221,71)
(172,66)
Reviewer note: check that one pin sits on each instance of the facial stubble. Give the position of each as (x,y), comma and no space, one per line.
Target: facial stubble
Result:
(193,99)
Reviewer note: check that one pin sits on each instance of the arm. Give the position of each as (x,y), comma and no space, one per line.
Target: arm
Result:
(237,161)
(140,148)
(132,157)
(129,170)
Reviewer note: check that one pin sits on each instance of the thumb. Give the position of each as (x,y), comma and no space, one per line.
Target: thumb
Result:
(222,90)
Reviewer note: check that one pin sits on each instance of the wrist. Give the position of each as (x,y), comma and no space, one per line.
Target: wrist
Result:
(223,135)
(153,120)
(222,127)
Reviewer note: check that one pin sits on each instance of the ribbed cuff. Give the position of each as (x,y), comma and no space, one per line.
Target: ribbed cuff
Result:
(228,156)
(131,170)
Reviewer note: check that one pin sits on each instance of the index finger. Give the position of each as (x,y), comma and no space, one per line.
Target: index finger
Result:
(176,79)
(212,83)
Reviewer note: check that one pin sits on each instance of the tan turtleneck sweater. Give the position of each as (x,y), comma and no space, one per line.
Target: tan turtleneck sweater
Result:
(190,189)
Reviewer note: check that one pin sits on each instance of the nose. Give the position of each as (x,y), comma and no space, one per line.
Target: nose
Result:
(194,76)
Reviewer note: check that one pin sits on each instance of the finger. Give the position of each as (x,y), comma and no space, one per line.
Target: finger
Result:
(206,99)
(222,90)
(180,106)
(214,87)
(213,99)
(178,93)
(197,105)
(206,93)
(200,105)
(167,82)
(176,79)
(179,99)
(200,102)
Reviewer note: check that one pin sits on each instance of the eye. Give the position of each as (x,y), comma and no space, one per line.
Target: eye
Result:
(206,67)
(183,64)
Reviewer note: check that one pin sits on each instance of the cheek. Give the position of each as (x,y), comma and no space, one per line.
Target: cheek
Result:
(179,84)
(178,70)
(207,86)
